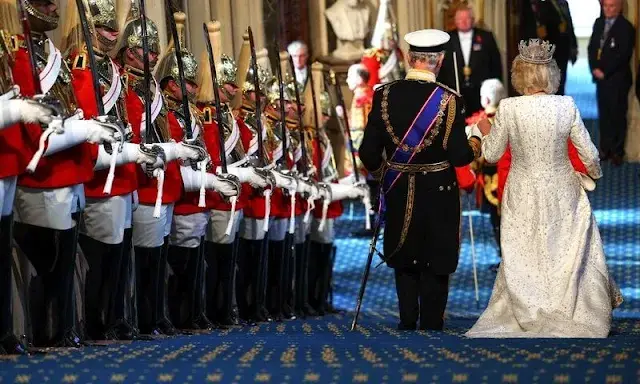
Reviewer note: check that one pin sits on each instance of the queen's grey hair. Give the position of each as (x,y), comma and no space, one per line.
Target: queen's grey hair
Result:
(295,46)
(430,58)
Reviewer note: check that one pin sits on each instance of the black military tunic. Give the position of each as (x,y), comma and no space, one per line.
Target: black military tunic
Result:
(422,220)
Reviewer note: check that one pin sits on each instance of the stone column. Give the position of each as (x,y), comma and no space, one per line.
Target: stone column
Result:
(318,24)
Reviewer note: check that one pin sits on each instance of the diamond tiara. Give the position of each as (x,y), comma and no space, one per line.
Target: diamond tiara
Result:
(536,51)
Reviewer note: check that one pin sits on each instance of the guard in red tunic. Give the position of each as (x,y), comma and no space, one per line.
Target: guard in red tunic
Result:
(14,155)
(105,231)
(191,214)
(50,195)
(384,60)
(153,217)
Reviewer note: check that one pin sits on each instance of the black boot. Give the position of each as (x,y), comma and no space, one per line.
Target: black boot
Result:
(262,283)
(212,280)
(289,278)
(248,268)
(60,282)
(119,327)
(105,263)
(235,315)
(147,272)
(164,323)
(306,307)
(275,287)
(322,275)
(8,341)
(200,310)
(226,268)
(182,286)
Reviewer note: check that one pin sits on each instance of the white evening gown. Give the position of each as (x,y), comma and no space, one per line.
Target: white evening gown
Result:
(553,279)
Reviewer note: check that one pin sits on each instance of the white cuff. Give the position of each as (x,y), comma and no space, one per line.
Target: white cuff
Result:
(75,132)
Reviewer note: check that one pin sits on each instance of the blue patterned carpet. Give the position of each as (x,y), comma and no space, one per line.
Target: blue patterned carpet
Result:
(323,350)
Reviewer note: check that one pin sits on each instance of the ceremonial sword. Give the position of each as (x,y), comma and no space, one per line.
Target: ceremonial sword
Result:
(216,97)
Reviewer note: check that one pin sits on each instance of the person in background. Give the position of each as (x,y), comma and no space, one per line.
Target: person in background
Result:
(553,23)
(299,52)
(610,50)
(478,59)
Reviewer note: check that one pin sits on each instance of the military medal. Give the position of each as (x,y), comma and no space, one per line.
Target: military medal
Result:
(613,43)
(467,74)
(562,27)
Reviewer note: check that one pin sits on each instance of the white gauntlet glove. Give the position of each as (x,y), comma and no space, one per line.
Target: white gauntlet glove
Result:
(192,180)
(130,153)
(180,151)
(75,131)
(27,111)
(246,175)
(473,130)
(284,181)
(343,192)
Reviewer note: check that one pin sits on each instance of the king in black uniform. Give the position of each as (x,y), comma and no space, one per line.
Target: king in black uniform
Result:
(420,125)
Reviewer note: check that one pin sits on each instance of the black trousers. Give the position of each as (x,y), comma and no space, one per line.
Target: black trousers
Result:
(562,64)
(421,295)
(612,109)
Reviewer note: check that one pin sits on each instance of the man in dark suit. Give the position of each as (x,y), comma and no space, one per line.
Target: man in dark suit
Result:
(610,50)
(478,59)
(420,126)
(553,23)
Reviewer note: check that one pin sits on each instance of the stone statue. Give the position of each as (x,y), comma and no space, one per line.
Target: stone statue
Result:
(350,22)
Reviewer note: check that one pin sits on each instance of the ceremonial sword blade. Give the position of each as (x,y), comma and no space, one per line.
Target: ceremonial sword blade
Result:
(181,80)
(305,166)
(283,117)
(256,83)
(148,136)
(88,40)
(216,97)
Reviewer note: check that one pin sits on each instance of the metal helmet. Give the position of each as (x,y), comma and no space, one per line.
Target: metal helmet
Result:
(49,23)
(228,71)
(168,65)
(131,32)
(249,83)
(104,14)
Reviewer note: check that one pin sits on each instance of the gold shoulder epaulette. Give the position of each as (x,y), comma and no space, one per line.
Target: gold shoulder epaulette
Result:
(80,61)
(449,89)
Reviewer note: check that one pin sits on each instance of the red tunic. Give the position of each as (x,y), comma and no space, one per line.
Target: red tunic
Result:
(372,60)
(148,187)
(215,199)
(125,177)
(63,169)
(335,208)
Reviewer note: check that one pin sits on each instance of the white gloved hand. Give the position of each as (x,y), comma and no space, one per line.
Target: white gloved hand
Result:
(179,151)
(222,185)
(27,111)
(283,182)
(343,192)
(339,111)
(192,181)
(473,130)
(246,175)
(130,153)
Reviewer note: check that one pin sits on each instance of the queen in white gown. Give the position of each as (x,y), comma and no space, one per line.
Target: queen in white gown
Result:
(553,279)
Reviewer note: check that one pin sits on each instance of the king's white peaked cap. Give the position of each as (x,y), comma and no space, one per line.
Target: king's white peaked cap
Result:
(427,40)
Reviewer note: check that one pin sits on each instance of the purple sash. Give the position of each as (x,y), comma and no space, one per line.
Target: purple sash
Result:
(416,134)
